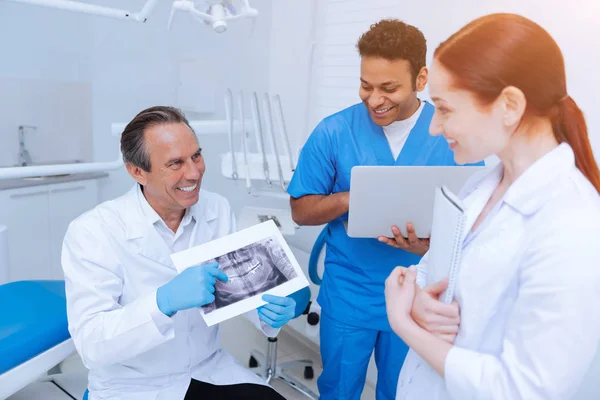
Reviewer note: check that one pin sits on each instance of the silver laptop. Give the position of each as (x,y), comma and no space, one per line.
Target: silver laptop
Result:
(384,196)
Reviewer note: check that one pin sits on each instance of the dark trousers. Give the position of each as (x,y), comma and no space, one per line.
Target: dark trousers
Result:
(205,391)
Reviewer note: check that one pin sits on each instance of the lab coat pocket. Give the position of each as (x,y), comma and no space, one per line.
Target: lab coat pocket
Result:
(490,265)
(206,339)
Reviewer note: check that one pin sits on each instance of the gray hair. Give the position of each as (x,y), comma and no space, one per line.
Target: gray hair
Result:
(133,146)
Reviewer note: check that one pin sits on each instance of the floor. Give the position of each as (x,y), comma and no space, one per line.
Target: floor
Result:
(74,376)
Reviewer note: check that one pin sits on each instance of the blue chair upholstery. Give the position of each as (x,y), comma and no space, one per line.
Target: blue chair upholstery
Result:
(33,319)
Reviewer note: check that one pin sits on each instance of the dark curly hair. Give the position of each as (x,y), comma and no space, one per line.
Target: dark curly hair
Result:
(393,39)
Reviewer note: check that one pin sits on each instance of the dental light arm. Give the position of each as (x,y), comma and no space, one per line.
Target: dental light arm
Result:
(217,14)
(92,9)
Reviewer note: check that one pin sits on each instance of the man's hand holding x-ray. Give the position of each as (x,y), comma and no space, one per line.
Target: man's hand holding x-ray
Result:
(194,287)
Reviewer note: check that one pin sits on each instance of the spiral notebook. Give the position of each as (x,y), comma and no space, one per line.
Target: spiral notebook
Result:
(447,233)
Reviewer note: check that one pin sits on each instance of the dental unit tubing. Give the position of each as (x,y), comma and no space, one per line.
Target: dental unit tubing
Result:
(269,122)
(229,117)
(244,143)
(259,137)
(286,137)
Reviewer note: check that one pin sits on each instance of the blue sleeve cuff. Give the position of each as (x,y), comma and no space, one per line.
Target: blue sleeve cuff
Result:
(301,297)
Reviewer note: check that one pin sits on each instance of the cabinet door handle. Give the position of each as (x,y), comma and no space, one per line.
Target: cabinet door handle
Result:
(69,189)
(19,195)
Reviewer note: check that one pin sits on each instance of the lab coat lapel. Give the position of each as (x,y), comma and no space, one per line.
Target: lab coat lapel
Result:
(143,235)
(153,247)
(418,140)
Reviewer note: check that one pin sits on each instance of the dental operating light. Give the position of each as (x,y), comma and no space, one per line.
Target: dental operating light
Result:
(217,12)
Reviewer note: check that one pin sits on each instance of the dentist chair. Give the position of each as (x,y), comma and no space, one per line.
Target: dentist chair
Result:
(33,333)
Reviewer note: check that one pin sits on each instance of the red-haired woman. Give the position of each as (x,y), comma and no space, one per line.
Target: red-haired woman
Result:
(529,283)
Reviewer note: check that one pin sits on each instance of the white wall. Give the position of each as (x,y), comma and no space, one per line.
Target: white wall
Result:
(42,43)
(292,41)
(44,81)
(61,113)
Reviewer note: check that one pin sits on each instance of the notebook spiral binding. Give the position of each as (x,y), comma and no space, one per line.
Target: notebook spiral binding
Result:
(448,295)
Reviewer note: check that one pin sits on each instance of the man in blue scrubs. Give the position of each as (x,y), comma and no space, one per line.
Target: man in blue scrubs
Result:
(389,127)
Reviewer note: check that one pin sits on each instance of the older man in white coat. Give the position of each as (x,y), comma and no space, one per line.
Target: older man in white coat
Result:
(134,320)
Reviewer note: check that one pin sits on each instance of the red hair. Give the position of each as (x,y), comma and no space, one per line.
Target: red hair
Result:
(500,50)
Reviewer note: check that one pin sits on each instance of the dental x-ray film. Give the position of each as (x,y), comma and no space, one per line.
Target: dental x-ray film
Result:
(257,260)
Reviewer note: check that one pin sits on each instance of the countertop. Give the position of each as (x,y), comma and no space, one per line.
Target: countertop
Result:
(49,180)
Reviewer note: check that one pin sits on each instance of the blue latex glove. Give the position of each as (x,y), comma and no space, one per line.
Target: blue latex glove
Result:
(194,287)
(278,311)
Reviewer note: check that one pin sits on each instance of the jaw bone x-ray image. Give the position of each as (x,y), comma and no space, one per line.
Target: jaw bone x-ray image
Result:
(252,270)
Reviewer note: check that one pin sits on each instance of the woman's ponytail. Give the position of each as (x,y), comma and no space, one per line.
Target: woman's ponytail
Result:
(569,126)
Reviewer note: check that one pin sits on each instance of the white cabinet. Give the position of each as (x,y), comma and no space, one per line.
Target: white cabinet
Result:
(24,211)
(37,218)
(67,201)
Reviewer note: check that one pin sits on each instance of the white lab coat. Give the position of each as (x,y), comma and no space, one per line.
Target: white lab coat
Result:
(528,291)
(114,260)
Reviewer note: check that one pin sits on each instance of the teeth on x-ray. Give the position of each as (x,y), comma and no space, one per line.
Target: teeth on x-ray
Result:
(252,270)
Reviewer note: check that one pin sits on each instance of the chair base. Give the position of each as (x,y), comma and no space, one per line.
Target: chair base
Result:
(51,379)
(268,368)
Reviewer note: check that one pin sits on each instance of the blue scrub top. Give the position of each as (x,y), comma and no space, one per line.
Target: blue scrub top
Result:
(356,269)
